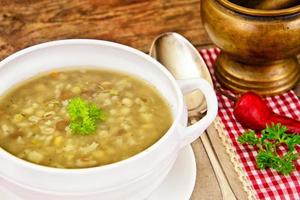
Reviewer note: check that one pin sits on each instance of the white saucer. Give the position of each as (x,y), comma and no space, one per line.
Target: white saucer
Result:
(180,182)
(178,185)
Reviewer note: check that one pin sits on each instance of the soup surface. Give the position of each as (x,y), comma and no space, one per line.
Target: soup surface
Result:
(35,118)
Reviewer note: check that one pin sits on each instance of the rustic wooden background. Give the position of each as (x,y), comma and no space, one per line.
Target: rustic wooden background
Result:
(132,22)
(135,23)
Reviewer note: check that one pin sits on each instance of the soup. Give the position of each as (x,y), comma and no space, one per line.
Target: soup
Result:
(81,118)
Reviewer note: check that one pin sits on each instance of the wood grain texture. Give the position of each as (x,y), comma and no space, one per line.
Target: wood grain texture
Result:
(226,164)
(226,190)
(132,22)
(206,187)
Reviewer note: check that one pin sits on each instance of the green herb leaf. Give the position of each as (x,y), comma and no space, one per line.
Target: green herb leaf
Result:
(272,137)
(248,137)
(265,160)
(83,116)
(293,140)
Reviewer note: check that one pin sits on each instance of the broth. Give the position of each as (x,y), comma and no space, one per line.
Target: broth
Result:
(35,124)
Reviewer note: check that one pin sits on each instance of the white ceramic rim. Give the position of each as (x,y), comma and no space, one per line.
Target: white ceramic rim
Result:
(122,47)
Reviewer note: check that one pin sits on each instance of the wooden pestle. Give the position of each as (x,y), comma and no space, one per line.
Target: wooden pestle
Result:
(275,4)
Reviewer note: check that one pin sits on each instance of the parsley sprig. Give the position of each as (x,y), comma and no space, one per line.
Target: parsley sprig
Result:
(83,116)
(271,138)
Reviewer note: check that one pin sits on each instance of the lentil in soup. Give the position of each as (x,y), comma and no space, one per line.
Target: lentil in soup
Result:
(35,118)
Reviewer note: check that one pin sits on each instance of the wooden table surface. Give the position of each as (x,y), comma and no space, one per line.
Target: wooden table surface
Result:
(132,22)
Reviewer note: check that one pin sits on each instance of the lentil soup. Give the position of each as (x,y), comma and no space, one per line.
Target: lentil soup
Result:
(35,123)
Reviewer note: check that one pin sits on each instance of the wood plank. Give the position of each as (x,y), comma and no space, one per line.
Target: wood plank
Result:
(227,165)
(206,187)
(131,22)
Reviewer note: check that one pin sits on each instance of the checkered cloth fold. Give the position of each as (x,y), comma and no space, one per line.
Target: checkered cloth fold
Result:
(267,184)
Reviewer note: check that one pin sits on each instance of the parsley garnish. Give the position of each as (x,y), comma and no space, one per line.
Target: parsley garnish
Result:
(271,138)
(83,116)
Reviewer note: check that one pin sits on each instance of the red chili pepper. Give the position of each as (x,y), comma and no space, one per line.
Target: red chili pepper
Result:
(253,112)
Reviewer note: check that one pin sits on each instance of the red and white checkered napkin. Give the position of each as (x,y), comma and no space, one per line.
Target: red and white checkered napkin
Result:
(267,184)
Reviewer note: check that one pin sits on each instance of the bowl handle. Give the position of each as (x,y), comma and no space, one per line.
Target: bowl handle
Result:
(191,133)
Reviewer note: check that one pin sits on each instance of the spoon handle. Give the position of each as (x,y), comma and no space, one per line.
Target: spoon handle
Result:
(226,190)
(224,185)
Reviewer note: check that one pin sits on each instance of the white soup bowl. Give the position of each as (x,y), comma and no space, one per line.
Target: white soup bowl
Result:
(133,178)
